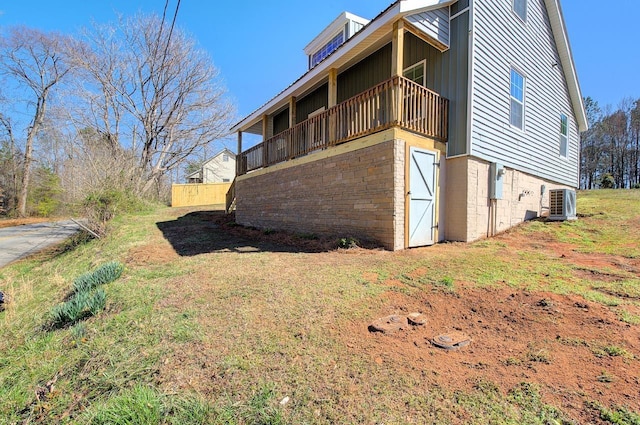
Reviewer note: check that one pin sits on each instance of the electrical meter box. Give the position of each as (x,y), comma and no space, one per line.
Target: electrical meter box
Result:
(496,177)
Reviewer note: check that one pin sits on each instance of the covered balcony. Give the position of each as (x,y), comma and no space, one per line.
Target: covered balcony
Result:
(396,102)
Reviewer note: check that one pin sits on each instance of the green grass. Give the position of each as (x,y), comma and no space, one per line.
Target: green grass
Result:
(226,337)
(618,415)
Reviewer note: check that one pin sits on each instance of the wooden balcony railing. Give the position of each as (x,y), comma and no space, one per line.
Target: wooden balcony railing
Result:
(396,102)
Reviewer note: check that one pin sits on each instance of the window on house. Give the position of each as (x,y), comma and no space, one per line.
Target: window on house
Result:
(520,7)
(225,180)
(225,158)
(517,99)
(415,73)
(327,49)
(564,135)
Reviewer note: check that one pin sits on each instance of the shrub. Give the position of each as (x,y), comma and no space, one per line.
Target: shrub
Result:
(101,206)
(607,181)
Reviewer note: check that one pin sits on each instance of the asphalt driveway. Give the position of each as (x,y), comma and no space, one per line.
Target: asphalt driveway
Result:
(20,241)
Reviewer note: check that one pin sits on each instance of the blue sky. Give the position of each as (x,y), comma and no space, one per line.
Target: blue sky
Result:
(257,45)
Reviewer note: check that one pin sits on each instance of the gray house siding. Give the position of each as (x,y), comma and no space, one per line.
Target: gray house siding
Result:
(281,121)
(528,47)
(416,50)
(372,70)
(434,23)
(456,86)
(312,102)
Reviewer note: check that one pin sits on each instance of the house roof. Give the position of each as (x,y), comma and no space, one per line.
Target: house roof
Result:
(379,28)
(224,150)
(199,171)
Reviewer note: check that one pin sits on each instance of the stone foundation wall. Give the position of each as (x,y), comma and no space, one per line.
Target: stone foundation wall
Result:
(455,199)
(347,194)
(522,200)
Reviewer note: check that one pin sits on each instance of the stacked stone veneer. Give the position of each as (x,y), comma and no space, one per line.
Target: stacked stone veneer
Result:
(358,193)
(471,215)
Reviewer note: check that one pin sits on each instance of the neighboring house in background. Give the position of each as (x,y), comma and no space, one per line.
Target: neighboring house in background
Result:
(437,120)
(221,168)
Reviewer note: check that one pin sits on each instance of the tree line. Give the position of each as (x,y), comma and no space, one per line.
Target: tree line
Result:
(610,149)
(111,110)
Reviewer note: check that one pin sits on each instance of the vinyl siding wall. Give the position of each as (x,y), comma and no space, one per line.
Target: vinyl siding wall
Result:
(216,170)
(456,89)
(502,41)
(372,70)
(281,121)
(435,23)
(312,102)
(447,74)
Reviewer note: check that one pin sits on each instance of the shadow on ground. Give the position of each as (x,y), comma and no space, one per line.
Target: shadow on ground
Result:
(204,232)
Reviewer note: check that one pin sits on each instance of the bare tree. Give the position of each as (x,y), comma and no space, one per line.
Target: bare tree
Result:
(34,62)
(9,163)
(591,146)
(151,90)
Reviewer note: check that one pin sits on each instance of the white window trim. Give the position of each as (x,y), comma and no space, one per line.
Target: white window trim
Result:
(344,40)
(524,98)
(423,62)
(526,9)
(565,136)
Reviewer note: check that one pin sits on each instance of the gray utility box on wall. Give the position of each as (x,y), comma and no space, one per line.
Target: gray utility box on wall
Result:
(562,204)
(496,173)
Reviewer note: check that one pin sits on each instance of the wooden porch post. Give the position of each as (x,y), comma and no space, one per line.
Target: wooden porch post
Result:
(397,66)
(397,49)
(331,102)
(239,170)
(265,136)
(333,87)
(291,142)
(292,111)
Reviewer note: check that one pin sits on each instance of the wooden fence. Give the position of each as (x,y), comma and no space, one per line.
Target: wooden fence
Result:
(191,195)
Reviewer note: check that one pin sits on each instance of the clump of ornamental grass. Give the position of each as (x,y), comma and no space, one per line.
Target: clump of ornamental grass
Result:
(87,298)
(104,274)
(79,307)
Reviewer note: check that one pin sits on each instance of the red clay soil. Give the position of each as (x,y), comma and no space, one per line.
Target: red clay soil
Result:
(552,340)
(556,341)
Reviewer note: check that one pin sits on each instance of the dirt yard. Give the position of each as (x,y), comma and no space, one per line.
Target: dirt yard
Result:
(578,351)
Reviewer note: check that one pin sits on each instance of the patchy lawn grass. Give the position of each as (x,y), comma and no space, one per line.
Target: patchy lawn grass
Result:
(207,325)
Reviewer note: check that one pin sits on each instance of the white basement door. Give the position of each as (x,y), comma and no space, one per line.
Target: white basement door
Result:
(422,197)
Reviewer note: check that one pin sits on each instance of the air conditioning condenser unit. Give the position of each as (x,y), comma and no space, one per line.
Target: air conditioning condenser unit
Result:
(562,204)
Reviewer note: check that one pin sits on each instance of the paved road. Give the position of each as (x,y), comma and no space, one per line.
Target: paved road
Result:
(19,241)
